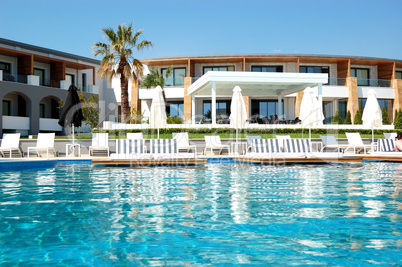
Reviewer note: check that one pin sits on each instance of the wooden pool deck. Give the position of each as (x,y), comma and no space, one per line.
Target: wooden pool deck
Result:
(148,162)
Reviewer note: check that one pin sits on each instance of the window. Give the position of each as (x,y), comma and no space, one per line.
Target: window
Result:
(221,68)
(222,108)
(384,103)
(6,68)
(398,74)
(175,109)
(267,68)
(362,75)
(84,82)
(41,74)
(175,78)
(6,107)
(70,78)
(313,69)
(343,108)
(327,108)
(41,110)
(265,108)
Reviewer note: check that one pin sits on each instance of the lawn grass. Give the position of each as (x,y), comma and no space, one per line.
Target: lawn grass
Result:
(222,136)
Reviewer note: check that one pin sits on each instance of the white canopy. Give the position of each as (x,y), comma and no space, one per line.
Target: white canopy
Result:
(221,83)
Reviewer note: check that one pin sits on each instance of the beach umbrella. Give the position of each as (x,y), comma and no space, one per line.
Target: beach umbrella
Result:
(238,112)
(310,111)
(158,110)
(72,110)
(372,115)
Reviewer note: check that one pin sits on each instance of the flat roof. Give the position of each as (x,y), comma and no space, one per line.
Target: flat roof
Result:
(271,55)
(39,49)
(256,83)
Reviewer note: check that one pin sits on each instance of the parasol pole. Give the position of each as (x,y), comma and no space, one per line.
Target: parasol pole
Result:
(372,134)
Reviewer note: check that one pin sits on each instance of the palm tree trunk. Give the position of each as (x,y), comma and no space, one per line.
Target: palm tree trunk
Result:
(125,109)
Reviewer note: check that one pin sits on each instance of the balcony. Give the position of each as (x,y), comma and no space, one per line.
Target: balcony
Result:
(16,123)
(49,125)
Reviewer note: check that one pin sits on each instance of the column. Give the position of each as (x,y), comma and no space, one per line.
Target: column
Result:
(353,98)
(397,85)
(193,109)
(213,103)
(299,97)
(135,101)
(188,114)
(320,95)
(280,113)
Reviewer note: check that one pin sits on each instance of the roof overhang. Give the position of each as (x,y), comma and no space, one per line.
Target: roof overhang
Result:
(256,83)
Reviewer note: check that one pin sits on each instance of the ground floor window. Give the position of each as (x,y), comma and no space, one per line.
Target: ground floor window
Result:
(384,103)
(175,109)
(6,107)
(343,108)
(265,108)
(327,108)
(222,108)
(42,111)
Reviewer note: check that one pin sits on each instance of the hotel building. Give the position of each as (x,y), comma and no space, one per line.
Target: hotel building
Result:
(33,80)
(347,79)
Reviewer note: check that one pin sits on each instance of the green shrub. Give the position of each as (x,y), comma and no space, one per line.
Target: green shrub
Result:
(358,118)
(174,120)
(385,118)
(398,120)
(337,119)
(348,118)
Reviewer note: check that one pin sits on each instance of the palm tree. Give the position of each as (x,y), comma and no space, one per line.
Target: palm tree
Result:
(118,59)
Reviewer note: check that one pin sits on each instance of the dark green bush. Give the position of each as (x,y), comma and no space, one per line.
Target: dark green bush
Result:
(348,118)
(358,118)
(337,119)
(385,118)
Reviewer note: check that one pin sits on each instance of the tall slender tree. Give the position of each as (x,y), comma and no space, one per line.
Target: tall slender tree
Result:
(118,59)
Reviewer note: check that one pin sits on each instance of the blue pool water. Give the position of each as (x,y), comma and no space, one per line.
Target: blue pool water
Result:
(217,214)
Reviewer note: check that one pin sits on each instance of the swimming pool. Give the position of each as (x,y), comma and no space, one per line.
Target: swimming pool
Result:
(230,214)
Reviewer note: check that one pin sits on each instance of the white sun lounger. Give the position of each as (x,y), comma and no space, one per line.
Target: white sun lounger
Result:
(100,143)
(130,149)
(183,142)
(282,139)
(213,142)
(330,142)
(9,143)
(385,145)
(167,149)
(45,142)
(356,142)
(250,139)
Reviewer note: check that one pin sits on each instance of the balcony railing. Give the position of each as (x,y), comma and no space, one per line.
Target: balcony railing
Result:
(174,82)
(373,82)
(336,81)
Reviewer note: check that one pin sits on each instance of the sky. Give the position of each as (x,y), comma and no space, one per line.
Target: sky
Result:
(364,28)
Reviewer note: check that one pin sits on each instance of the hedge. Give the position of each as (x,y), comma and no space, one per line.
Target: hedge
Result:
(241,131)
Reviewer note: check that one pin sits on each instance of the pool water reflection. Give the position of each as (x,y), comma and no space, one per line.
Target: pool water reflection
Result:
(337,214)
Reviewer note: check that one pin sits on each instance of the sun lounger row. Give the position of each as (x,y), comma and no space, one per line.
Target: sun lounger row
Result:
(11,145)
(135,144)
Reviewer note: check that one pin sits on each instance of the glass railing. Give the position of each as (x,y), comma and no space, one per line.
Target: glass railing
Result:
(336,81)
(373,82)
(174,82)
